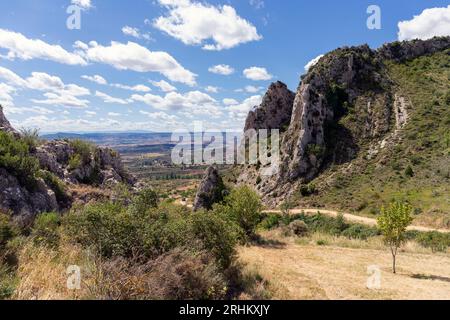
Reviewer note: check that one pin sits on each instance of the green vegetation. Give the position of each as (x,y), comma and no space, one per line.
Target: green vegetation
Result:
(169,251)
(15,158)
(244,206)
(45,229)
(320,223)
(30,137)
(56,184)
(83,150)
(393,222)
(415,170)
(436,241)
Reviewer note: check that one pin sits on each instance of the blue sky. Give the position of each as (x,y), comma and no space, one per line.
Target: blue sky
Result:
(133,66)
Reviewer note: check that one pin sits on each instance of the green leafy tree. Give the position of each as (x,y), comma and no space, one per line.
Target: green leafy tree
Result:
(244,206)
(393,222)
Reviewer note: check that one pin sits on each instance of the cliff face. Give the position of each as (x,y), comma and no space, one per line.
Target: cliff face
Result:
(345,103)
(58,166)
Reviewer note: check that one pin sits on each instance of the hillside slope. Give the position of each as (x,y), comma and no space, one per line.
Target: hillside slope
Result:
(369,126)
(39,176)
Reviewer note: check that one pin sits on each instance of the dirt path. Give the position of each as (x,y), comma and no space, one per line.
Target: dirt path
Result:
(354,218)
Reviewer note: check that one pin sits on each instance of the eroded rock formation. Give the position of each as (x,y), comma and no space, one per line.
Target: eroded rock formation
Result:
(210,191)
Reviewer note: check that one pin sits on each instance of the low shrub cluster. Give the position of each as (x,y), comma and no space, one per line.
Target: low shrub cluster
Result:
(436,241)
(15,158)
(319,223)
(150,250)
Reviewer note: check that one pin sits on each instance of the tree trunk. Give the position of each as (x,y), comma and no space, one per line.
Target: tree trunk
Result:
(394,255)
(393,264)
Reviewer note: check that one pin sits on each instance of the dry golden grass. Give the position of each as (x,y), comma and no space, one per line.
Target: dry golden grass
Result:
(42,273)
(304,270)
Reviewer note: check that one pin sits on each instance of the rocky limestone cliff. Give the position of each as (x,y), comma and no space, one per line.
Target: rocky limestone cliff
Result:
(345,103)
(275,110)
(102,167)
(210,191)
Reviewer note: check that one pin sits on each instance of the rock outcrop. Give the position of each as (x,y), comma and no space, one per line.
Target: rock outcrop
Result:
(408,50)
(5,125)
(275,110)
(101,167)
(345,102)
(210,191)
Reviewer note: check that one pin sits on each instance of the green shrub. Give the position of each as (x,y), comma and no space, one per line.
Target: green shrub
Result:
(56,185)
(244,206)
(436,241)
(104,226)
(218,235)
(145,200)
(75,162)
(82,148)
(7,231)
(409,172)
(298,228)
(270,221)
(307,190)
(45,229)
(15,157)
(316,150)
(358,231)
(30,137)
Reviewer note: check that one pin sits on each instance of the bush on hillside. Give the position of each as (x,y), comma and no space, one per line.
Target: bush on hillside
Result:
(56,184)
(436,241)
(361,232)
(15,158)
(244,207)
(45,229)
(83,151)
(298,228)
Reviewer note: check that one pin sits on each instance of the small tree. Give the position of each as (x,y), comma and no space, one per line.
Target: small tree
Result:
(393,223)
(244,206)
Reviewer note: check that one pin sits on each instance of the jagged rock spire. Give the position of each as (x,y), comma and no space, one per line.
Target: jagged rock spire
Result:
(211,190)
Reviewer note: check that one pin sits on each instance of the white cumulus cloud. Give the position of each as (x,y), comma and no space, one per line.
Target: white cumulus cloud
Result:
(21,47)
(84,4)
(222,69)
(132,56)
(135,32)
(257,74)
(95,78)
(430,23)
(197,23)
(108,99)
(163,86)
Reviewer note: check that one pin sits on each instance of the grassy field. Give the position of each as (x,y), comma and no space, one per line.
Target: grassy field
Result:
(325,267)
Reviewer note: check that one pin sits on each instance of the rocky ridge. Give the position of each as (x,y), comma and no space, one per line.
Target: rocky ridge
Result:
(346,105)
(100,167)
